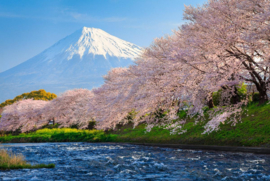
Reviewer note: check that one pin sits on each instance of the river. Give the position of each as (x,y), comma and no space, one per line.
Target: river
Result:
(98,161)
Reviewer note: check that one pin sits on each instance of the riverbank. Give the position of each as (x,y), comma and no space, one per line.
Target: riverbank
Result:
(59,135)
(252,131)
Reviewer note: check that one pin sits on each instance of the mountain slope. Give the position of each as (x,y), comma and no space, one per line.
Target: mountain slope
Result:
(77,61)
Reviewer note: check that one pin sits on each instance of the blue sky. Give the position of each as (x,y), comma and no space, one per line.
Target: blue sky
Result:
(30,26)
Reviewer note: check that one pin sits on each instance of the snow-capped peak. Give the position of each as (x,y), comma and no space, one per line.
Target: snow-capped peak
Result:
(93,41)
(77,61)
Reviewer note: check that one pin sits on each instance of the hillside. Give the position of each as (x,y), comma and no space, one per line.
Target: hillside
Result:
(253,130)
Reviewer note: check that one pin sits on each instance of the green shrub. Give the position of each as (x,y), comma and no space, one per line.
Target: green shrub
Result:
(76,126)
(182,114)
(256,97)
(91,125)
(217,97)
(242,91)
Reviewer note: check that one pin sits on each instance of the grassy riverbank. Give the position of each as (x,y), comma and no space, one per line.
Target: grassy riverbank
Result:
(12,161)
(253,130)
(59,135)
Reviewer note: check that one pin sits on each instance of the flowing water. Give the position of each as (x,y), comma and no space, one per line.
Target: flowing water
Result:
(96,161)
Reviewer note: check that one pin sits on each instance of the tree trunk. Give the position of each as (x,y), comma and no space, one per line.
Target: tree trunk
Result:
(210,103)
(235,97)
(263,96)
(262,92)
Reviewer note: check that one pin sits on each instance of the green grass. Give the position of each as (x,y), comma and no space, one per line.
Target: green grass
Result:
(253,130)
(59,135)
(12,161)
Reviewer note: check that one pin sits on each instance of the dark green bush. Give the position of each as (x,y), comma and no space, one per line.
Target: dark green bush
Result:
(182,114)
(76,126)
(256,97)
(217,97)
(91,125)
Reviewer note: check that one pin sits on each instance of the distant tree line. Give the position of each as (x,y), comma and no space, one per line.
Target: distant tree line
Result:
(35,95)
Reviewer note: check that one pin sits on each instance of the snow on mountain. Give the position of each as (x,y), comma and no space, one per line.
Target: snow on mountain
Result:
(77,61)
(93,41)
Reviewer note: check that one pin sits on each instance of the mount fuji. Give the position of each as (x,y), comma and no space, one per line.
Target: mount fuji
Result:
(77,61)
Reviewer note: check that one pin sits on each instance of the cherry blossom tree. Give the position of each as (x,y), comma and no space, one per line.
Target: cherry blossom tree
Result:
(235,33)
(24,115)
(70,108)
(147,87)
